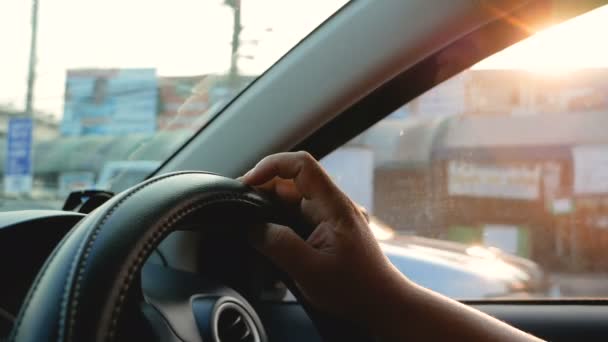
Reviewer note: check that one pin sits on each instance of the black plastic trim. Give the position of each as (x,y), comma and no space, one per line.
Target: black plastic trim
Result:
(548,302)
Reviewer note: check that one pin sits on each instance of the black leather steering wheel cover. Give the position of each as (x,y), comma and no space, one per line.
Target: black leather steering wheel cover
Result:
(80,291)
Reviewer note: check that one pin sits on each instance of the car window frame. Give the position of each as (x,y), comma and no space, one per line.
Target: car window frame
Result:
(426,75)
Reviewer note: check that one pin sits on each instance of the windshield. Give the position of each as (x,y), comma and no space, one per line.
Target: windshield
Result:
(96,94)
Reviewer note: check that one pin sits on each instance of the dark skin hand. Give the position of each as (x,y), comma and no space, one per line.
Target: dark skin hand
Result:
(341,269)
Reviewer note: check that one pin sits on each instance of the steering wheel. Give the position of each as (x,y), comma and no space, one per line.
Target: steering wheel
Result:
(86,289)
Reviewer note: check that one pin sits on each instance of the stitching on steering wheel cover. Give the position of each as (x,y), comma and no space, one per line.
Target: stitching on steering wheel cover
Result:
(39,277)
(151,243)
(80,263)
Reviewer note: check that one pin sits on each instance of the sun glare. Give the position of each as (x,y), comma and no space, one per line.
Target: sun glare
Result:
(557,50)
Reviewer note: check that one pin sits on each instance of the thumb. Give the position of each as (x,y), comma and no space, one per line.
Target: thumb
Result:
(284,248)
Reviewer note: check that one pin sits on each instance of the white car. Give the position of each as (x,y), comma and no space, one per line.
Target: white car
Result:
(458,270)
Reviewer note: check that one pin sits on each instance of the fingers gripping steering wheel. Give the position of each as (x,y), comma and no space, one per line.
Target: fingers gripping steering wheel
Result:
(83,291)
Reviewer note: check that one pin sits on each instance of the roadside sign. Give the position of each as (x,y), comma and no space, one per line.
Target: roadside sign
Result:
(18,164)
(493,181)
(590,169)
(560,206)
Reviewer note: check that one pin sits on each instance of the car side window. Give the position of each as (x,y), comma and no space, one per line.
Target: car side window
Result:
(494,184)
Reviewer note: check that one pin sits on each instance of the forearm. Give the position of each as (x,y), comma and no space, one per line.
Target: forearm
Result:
(408,311)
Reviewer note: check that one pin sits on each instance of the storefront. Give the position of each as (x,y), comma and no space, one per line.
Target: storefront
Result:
(528,195)
(501,197)
(533,185)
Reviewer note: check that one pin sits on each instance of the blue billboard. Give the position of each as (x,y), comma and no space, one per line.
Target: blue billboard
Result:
(18,164)
(110,102)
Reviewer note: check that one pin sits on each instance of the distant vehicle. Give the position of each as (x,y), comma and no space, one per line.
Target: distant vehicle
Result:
(117,176)
(460,271)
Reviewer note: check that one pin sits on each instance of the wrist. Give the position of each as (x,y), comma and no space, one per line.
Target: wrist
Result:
(389,303)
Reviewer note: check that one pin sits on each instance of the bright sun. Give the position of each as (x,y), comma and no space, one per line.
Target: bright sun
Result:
(578,43)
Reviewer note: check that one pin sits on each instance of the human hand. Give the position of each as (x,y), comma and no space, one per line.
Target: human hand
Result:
(340,268)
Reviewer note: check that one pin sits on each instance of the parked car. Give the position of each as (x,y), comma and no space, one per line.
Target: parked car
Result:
(458,270)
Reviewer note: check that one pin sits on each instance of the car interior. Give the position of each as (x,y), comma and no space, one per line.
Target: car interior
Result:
(168,259)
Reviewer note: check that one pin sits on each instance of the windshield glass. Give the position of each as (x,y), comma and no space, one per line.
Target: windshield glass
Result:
(93,90)
(494,183)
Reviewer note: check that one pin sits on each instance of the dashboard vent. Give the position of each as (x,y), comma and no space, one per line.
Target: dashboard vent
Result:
(235,325)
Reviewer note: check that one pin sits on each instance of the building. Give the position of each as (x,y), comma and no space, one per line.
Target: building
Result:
(519,161)
(188,102)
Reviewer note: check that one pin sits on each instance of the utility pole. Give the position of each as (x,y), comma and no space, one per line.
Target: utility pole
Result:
(236,32)
(31,75)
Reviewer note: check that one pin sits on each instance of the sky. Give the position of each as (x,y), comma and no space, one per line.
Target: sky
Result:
(192,37)
(176,37)
(576,43)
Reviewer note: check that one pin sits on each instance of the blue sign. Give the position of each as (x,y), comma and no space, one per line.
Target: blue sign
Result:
(18,166)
